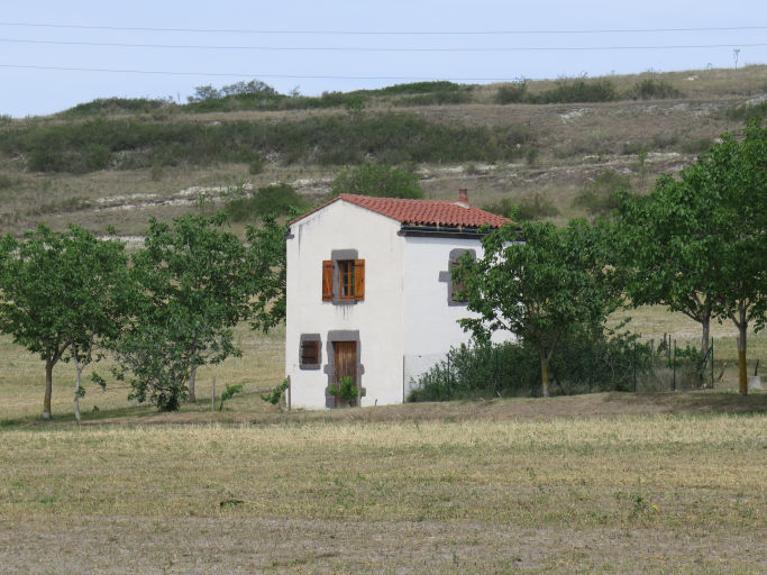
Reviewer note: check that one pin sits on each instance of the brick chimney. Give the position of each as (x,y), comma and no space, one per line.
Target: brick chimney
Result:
(463,198)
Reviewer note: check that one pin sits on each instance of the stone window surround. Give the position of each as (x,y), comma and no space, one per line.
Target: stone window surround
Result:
(446,276)
(309,337)
(336,256)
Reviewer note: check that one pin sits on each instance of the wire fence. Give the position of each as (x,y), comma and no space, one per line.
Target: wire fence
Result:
(512,370)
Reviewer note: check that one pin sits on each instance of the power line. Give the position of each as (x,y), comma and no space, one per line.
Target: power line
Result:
(240,74)
(385,32)
(376,49)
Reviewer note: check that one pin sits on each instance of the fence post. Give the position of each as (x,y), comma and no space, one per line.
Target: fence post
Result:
(673,363)
(712,363)
(634,366)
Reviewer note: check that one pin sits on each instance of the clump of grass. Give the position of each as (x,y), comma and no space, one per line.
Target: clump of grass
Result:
(277,199)
(113,106)
(747,112)
(379,180)
(7,182)
(434,99)
(653,89)
(66,206)
(256,165)
(514,93)
(602,195)
(578,90)
(697,145)
(534,207)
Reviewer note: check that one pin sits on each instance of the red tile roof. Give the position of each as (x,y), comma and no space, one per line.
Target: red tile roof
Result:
(441,213)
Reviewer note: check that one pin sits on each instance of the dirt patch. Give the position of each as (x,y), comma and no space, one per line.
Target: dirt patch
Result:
(116,545)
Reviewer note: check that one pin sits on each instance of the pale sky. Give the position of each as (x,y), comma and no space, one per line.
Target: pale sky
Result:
(41,91)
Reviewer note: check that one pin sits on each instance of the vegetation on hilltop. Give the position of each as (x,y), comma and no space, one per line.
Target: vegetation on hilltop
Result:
(331,140)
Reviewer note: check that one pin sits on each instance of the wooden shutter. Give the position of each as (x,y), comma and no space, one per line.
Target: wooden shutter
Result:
(327,280)
(359,280)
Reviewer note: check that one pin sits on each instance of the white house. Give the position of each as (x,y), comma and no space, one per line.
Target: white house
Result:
(369,293)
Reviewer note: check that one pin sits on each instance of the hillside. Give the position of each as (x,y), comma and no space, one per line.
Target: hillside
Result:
(117,162)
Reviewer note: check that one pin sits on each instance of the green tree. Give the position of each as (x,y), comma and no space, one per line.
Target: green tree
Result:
(697,244)
(61,294)
(194,285)
(377,180)
(735,173)
(268,268)
(542,289)
(668,251)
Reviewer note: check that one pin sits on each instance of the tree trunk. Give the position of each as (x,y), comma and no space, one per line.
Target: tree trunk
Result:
(48,388)
(190,386)
(706,338)
(705,345)
(78,380)
(545,374)
(742,357)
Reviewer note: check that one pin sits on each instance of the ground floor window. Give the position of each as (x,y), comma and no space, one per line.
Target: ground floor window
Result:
(310,352)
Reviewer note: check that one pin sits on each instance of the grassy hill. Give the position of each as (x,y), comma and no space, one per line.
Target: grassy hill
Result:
(119,161)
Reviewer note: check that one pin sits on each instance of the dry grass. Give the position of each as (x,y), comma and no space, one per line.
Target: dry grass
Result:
(649,494)
(605,483)
(22,375)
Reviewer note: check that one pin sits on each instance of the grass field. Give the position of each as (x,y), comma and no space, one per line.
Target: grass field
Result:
(628,494)
(603,483)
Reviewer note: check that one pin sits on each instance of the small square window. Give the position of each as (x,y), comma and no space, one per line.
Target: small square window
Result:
(310,353)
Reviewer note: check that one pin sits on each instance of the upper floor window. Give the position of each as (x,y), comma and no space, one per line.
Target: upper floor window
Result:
(343,281)
(456,294)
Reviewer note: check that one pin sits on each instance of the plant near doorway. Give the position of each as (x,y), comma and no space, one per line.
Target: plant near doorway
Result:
(345,390)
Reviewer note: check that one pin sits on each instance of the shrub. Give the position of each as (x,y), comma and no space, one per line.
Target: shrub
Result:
(697,145)
(534,207)
(114,106)
(7,182)
(274,200)
(653,89)
(747,112)
(231,390)
(377,180)
(513,93)
(585,363)
(256,165)
(332,140)
(579,90)
(345,390)
(602,196)
(434,99)
(420,88)
(275,395)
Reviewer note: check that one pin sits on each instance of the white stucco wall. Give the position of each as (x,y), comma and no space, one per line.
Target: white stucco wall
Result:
(431,326)
(378,318)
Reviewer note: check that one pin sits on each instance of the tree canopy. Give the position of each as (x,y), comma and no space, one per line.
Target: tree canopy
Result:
(61,293)
(552,283)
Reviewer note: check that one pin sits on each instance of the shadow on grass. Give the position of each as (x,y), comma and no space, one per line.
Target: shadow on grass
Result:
(611,404)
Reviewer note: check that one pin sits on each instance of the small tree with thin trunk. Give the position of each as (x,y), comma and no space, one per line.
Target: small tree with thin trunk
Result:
(194,285)
(540,283)
(60,295)
(668,251)
(735,173)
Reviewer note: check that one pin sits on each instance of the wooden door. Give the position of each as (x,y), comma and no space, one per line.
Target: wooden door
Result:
(345,361)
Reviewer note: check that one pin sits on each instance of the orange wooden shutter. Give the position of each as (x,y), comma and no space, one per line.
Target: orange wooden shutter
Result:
(359,279)
(327,280)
